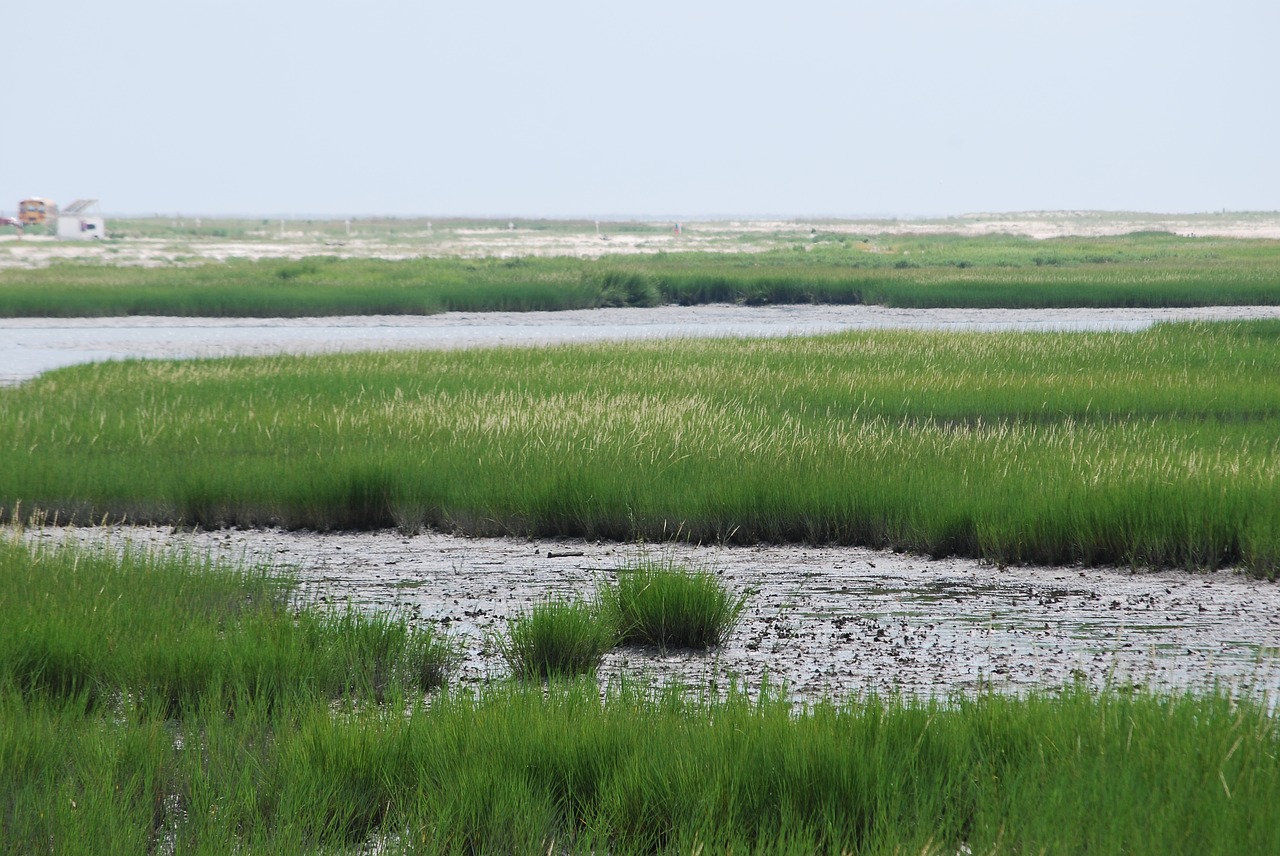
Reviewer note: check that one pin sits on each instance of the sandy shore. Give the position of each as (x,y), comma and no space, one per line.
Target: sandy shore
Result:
(299,239)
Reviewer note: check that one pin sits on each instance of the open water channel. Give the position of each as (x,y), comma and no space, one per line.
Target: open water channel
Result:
(29,346)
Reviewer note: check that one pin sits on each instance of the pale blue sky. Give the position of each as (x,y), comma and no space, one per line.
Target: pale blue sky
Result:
(802,108)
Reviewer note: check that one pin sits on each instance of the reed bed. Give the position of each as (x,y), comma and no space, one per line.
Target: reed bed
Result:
(1138,270)
(168,633)
(566,767)
(1155,448)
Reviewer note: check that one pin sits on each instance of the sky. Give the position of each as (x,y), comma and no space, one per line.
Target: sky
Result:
(802,108)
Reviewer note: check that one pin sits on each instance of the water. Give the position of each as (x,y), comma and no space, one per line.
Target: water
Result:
(29,346)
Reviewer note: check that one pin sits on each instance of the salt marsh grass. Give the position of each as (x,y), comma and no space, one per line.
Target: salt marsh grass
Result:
(91,766)
(1154,448)
(940,270)
(653,603)
(660,603)
(174,632)
(556,638)
(507,769)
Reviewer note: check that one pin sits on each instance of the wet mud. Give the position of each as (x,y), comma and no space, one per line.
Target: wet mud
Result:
(824,622)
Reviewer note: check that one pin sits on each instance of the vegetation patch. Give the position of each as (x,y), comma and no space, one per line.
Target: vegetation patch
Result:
(657,602)
(177,632)
(1142,269)
(1153,448)
(556,638)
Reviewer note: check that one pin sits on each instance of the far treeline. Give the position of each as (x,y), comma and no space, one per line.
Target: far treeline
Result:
(1144,269)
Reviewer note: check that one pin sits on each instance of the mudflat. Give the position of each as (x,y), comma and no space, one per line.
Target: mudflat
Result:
(822,621)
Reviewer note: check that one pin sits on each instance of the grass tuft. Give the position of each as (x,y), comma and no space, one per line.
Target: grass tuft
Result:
(556,638)
(659,603)
(174,632)
(628,288)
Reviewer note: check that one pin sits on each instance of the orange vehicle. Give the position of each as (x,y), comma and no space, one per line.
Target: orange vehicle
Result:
(37,211)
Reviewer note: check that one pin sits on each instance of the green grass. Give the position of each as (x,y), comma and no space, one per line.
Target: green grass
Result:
(175,632)
(556,638)
(514,770)
(1145,269)
(310,287)
(653,603)
(89,766)
(1154,448)
(657,602)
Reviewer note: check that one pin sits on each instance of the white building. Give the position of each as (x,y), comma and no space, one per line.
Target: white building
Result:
(80,221)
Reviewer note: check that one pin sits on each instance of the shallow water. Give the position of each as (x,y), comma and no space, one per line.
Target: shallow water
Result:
(29,346)
(822,621)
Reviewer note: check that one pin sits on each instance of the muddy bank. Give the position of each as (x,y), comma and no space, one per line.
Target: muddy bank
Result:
(822,621)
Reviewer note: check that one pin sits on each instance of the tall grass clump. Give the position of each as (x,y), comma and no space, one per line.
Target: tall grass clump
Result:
(628,288)
(556,638)
(660,603)
(178,631)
